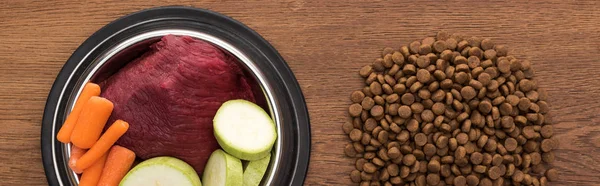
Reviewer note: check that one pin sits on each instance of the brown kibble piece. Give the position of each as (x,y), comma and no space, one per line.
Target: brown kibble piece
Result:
(484,78)
(520,120)
(497,159)
(507,122)
(476,51)
(438,108)
(367,103)
(439,46)
(505,109)
(502,50)
(433,179)
(476,158)
(525,85)
(510,144)
(424,49)
(350,151)
(369,155)
(485,182)
(462,45)
(398,58)
(543,181)
(375,88)
(512,100)
(387,61)
(378,162)
(547,131)
(433,166)
(462,138)
(536,158)
(366,71)
(429,149)
(383,154)
(407,99)
(528,132)
(355,176)
(355,109)
(420,139)
(383,137)
(490,54)
(517,176)
(474,41)
(461,77)
(417,108)
(472,180)
(412,125)
(473,62)
(442,35)
(394,152)
(347,127)
(552,174)
(370,124)
(378,100)
(487,44)
(459,181)
(355,135)
(460,60)
(504,66)
(386,51)
(404,111)
(547,145)
(393,169)
(360,163)
(485,107)
(468,93)
(442,142)
(423,61)
(423,76)
(409,159)
(378,65)
(548,157)
(494,173)
(428,41)
(357,96)
(369,167)
(377,111)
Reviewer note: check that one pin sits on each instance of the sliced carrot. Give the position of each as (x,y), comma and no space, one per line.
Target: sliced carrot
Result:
(76,153)
(92,174)
(89,90)
(118,163)
(114,132)
(91,121)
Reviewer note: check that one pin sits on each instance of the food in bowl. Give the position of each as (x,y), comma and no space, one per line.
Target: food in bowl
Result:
(168,98)
(170,95)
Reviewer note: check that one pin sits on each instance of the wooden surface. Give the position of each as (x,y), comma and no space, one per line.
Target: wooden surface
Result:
(325,43)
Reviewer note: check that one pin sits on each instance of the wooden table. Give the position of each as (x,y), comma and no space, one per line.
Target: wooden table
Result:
(325,43)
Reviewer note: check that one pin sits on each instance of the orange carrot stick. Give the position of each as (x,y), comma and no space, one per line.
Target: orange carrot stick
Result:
(91,121)
(89,90)
(118,163)
(76,153)
(114,132)
(92,174)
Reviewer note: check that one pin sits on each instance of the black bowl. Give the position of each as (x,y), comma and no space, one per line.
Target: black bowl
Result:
(117,43)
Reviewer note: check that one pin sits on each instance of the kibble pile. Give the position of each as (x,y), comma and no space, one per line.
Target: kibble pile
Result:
(450,110)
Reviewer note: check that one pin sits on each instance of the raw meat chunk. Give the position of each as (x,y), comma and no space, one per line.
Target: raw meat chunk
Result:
(170,95)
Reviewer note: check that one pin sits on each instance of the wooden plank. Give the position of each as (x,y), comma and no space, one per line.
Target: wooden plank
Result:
(325,43)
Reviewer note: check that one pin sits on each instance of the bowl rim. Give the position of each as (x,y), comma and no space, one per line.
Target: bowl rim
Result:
(60,86)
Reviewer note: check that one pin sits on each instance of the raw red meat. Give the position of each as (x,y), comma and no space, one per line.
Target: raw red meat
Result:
(170,95)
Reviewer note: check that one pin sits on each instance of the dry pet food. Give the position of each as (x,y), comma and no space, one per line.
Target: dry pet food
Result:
(450,110)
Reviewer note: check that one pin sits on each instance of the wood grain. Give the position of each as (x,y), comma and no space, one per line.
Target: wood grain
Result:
(325,43)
